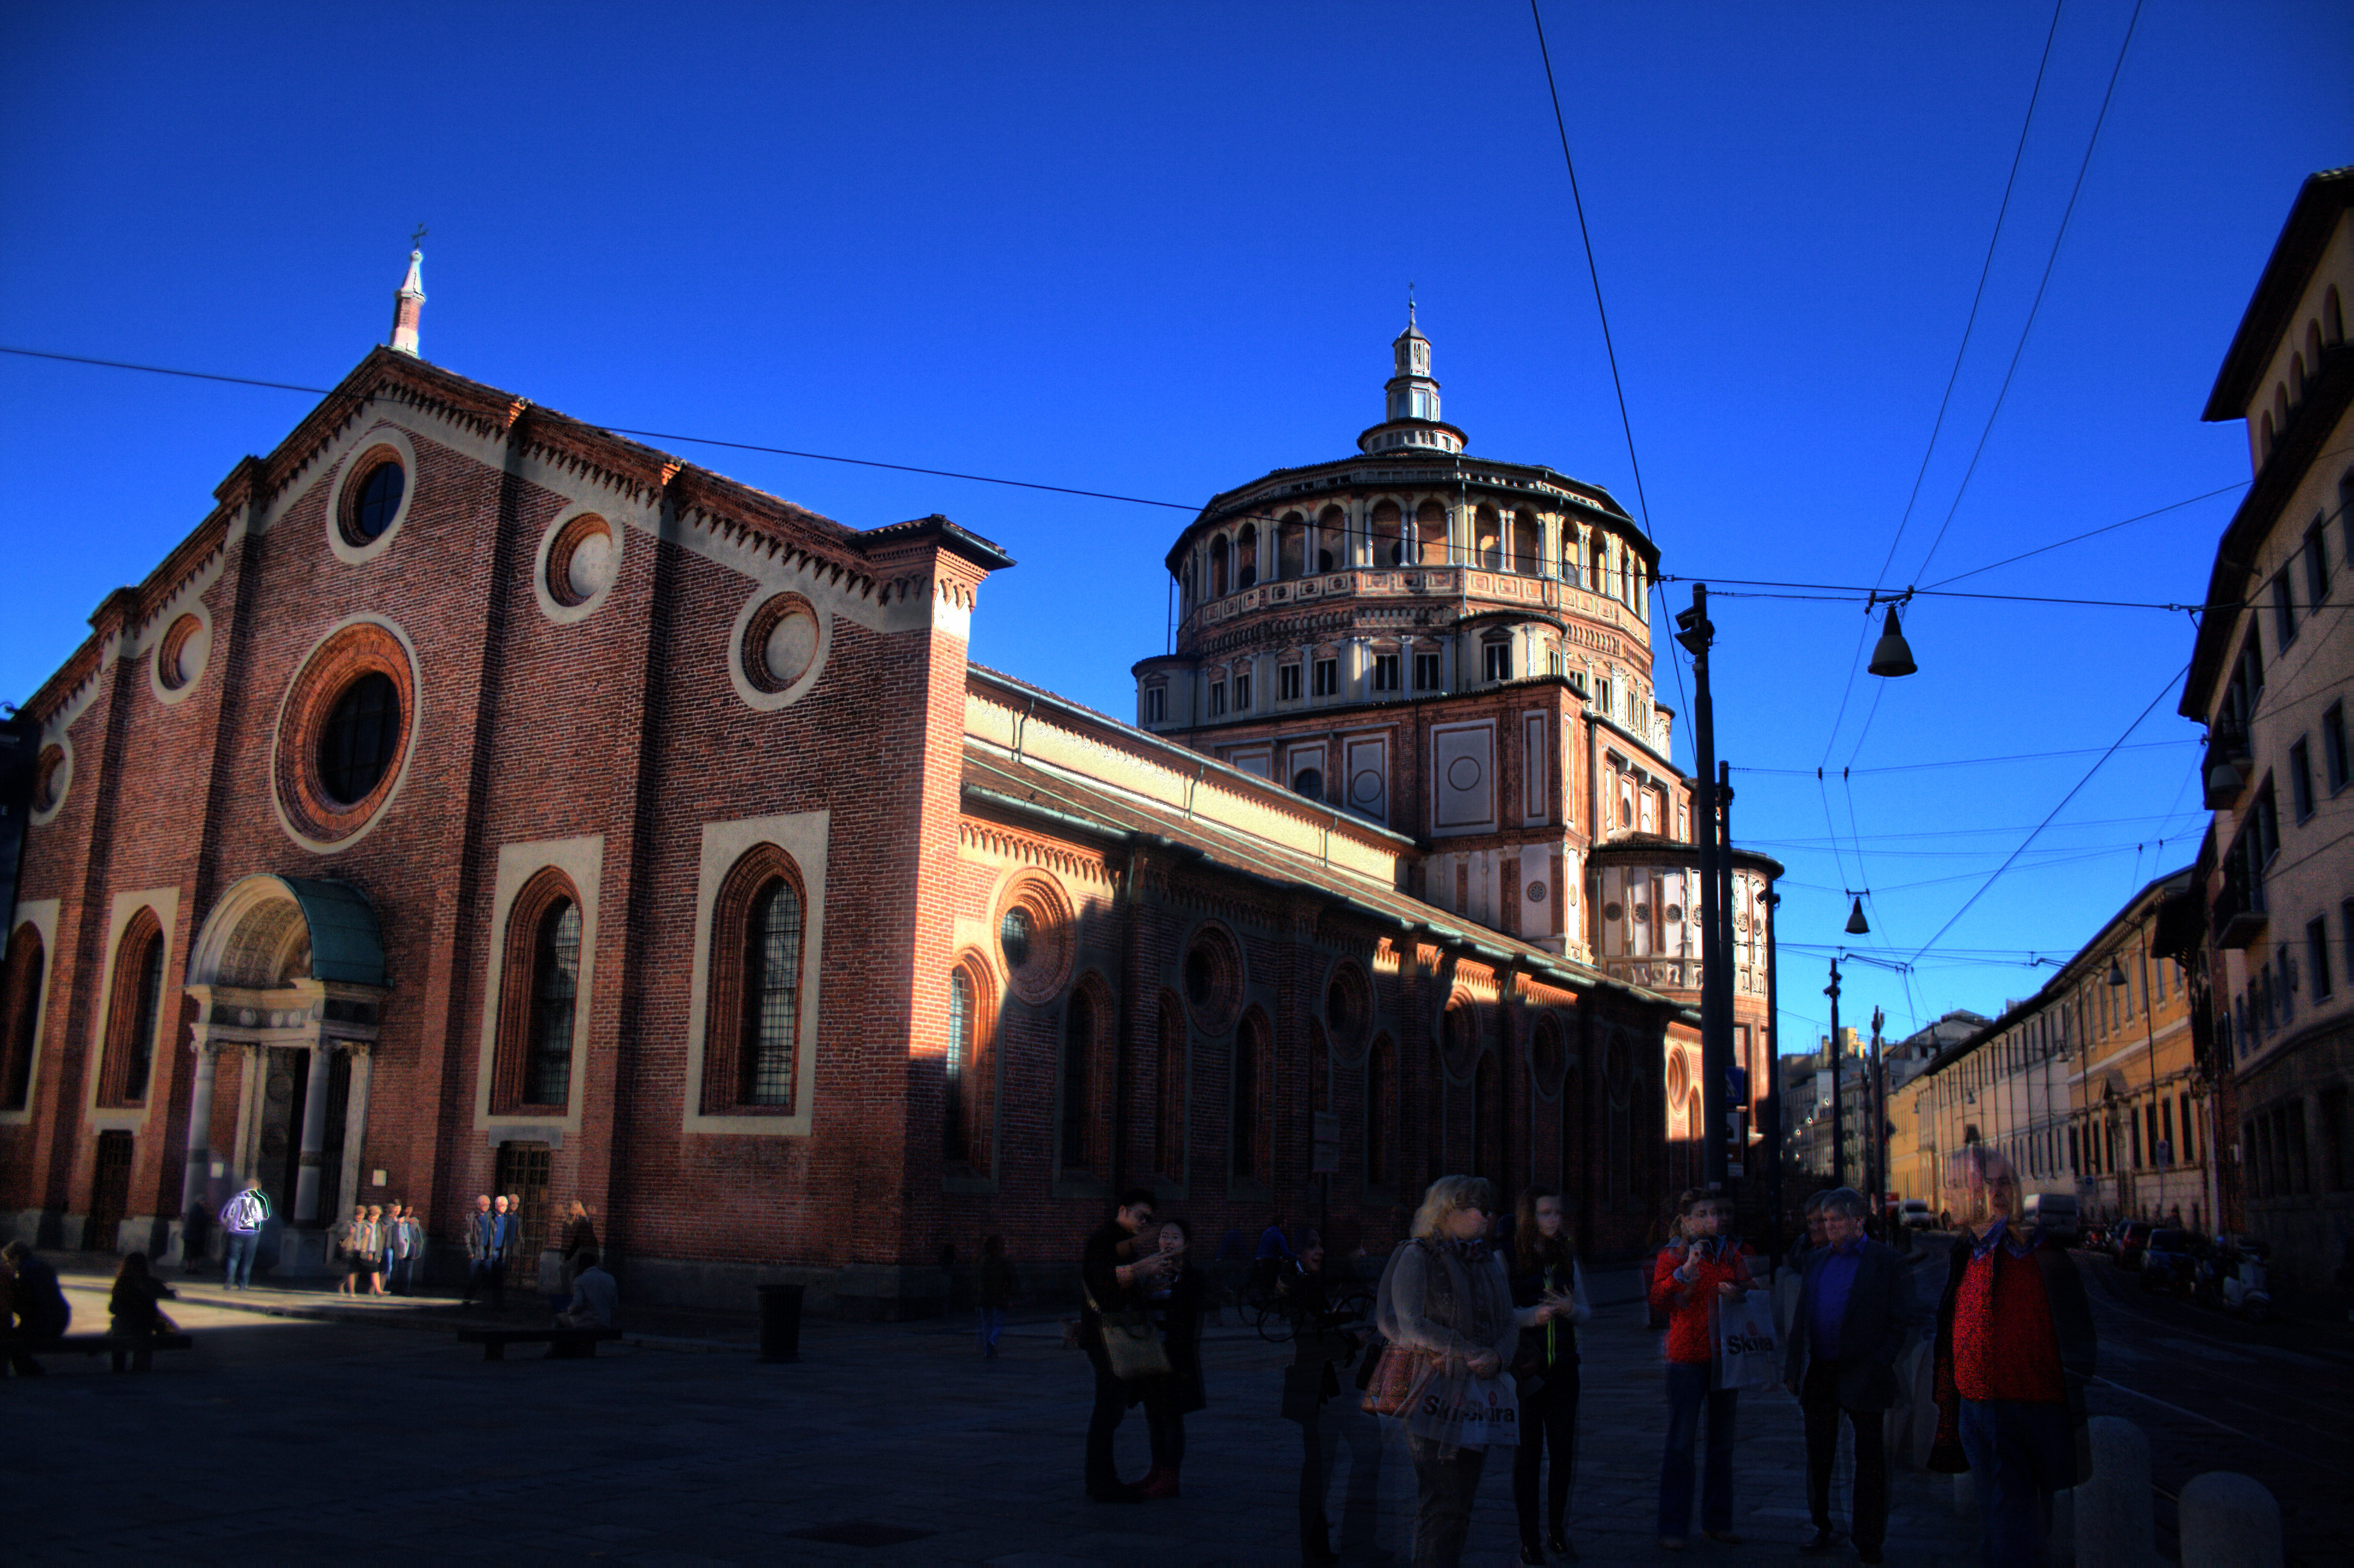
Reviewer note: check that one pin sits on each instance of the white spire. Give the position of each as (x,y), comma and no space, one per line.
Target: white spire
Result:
(408,304)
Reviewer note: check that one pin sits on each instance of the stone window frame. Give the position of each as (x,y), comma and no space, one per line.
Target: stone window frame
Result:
(53,774)
(102,1110)
(1221,1008)
(1350,1037)
(757,869)
(754,621)
(1054,936)
(519,993)
(802,837)
(354,647)
(563,535)
(526,875)
(39,917)
(183,627)
(379,440)
(984,999)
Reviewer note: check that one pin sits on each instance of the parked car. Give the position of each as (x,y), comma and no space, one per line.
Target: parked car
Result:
(2170,1261)
(2130,1239)
(2056,1212)
(1914,1214)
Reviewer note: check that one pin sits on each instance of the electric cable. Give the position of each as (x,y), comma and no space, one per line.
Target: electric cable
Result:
(1976,761)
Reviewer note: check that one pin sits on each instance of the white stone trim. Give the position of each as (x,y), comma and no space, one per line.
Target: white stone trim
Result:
(752,696)
(383,433)
(413,723)
(41,914)
(151,648)
(41,815)
(553,608)
(166,902)
(583,860)
(803,835)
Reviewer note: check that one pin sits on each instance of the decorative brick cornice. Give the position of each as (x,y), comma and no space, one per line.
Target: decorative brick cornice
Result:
(1028,849)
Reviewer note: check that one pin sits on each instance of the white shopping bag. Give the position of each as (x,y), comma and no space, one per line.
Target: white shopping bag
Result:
(1748,1354)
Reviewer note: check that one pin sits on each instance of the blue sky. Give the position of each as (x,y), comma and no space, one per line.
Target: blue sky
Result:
(1159,249)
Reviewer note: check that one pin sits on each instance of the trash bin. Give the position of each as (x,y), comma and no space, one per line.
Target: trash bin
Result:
(780,1322)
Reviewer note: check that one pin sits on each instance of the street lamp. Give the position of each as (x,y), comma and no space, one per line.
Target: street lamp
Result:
(1856,926)
(1710,796)
(1892,656)
(1838,1139)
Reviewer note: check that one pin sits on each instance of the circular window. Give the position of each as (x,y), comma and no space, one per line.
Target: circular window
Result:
(781,645)
(1674,913)
(582,560)
(1612,910)
(1679,1078)
(1642,912)
(375,502)
(49,777)
(180,657)
(1536,891)
(1308,781)
(1035,937)
(345,732)
(1212,975)
(361,734)
(1348,1007)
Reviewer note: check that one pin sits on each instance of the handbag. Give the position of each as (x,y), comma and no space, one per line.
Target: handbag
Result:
(1747,1354)
(1131,1343)
(1390,1383)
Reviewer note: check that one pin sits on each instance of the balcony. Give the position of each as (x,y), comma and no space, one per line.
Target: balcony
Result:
(2238,914)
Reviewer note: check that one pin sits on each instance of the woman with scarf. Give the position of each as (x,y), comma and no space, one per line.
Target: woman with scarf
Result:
(1546,1281)
(1446,1309)
(1715,1265)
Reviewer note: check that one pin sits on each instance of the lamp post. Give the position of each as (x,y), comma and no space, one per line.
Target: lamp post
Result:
(1838,1136)
(1696,634)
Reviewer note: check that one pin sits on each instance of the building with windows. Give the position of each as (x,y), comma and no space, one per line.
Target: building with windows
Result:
(1458,649)
(476,800)
(2271,675)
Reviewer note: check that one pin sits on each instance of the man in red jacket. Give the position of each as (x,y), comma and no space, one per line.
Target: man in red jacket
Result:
(2015,1348)
(1715,1266)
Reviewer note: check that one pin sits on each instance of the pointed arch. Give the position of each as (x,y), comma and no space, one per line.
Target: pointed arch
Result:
(133,1013)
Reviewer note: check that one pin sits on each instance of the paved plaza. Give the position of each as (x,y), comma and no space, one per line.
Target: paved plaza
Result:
(373,1437)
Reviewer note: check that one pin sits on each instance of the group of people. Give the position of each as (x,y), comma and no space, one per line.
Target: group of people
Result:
(377,1240)
(1476,1348)
(35,1313)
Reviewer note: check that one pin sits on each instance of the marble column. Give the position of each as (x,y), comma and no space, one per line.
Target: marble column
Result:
(200,1131)
(315,1134)
(355,1108)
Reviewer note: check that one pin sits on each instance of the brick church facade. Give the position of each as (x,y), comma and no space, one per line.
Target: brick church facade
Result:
(478,801)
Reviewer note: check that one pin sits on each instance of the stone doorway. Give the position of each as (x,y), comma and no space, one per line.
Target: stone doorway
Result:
(110,1194)
(522,1169)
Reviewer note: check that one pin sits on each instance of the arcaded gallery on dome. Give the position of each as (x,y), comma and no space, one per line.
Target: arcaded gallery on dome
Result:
(477,801)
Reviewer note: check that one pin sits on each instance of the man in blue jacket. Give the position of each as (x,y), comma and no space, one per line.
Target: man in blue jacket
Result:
(488,1235)
(241,1219)
(1856,1315)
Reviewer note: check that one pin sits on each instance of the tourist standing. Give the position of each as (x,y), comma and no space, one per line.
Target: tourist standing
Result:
(1118,1266)
(580,1244)
(379,1243)
(994,1286)
(1176,1307)
(1316,1396)
(2015,1349)
(1715,1266)
(404,1248)
(1446,1309)
(350,1238)
(1856,1315)
(1548,1284)
(486,1241)
(241,1219)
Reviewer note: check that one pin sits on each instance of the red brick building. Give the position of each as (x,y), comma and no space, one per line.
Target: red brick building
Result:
(477,801)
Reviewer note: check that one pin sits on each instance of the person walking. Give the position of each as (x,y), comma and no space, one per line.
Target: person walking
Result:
(486,1251)
(1546,1282)
(1119,1264)
(1715,1266)
(37,1304)
(350,1240)
(994,1284)
(1446,1309)
(1176,1307)
(1326,1407)
(379,1243)
(1856,1315)
(132,1313)
(580,1244)
(241,1219)
(404,1248)
(2015,1349)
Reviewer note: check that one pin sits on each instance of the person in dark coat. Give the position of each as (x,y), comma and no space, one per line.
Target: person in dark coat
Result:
(1177,1305)
(1120,1263)
(133,1311)
(1856,1315)
(38,1312)
(1549,1286)
(2015,1349)
(1324,1403)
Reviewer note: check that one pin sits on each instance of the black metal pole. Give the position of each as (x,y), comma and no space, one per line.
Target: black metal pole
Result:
(1876,1094)
(1696,637)
(1769,1110)
(1839,1131)
(1722,976)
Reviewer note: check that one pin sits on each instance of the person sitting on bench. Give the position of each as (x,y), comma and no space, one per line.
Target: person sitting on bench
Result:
(37,1304)
(596,1299)
(133,1311)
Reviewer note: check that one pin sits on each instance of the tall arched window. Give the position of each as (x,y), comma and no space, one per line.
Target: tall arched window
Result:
(555,994)
(1169,1085)
(1528,544)
(1488,540)
(956,1065)
(1487,1122)
(1218,567)
(772,963)
(1246,556)
(1388,529)
(1292,551)
(1332,532)
(132,1011)
(752,1054)
(20,1014)
(1080,1031)
(1430,533)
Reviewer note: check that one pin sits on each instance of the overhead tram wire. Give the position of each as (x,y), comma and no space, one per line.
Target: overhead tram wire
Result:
(2074,792)
(1609,349)
(1975,762)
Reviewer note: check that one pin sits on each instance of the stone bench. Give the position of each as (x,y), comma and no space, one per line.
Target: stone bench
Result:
(131,1352)
(564,1344)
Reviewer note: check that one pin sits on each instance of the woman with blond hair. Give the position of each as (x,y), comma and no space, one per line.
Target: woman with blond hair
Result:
(1446,1308)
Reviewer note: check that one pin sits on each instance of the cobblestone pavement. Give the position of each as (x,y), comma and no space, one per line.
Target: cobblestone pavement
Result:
(292,1439)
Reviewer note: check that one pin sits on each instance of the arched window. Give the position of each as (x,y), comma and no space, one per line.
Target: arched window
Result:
(955,1067)
(20,1014)
(1430,533)
(1332,529)
(2333,318)
(1381,1074)
(1246,556)
(1249,1102)
(555,993)
(1388,534)
(1292,546)
(752,1056)
(1169,1090)
(1597,562)
(1487,540)
(133,1012)
(2295,379)
(1080,1032)
(1488,1121)
(1528,544)
(1218,567)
